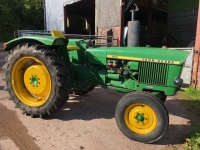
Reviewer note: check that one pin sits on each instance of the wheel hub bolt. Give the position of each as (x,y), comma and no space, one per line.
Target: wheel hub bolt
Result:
(140,118)
(34,80)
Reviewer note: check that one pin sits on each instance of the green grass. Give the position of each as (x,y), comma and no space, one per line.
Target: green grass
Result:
(194,96)
(193,93)
(193,140)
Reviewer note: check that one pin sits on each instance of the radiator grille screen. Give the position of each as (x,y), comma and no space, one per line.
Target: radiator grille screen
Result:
(153,73)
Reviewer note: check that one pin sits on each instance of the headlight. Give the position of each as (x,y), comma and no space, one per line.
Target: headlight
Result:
(178,82)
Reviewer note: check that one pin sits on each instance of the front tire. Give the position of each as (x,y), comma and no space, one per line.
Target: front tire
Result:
(36,79)
(141,117)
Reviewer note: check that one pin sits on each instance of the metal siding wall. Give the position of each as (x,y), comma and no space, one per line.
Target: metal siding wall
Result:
(182,25)
(107,13)
(55,14)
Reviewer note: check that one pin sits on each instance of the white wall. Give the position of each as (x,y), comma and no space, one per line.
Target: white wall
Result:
(55,13)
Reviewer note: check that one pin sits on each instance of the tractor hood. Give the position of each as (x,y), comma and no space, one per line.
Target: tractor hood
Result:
(158,55)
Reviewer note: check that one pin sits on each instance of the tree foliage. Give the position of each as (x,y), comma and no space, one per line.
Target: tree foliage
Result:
(20,15)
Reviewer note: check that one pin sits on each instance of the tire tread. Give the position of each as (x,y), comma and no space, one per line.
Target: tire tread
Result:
(59,73)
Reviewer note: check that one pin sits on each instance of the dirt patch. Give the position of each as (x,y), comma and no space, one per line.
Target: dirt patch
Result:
(88,122)
(11,127)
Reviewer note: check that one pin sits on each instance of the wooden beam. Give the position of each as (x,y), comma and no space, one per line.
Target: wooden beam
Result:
(196,68)
(154,6)
(150,9)
(65,19)
(121,32)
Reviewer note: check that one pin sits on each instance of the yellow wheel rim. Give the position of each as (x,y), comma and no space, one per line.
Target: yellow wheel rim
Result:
(140,118)
(31,81)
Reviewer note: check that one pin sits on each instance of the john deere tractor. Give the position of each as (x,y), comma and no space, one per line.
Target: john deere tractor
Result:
(41,71)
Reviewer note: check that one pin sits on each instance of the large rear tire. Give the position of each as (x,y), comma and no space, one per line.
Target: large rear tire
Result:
(36,79)
(142,117)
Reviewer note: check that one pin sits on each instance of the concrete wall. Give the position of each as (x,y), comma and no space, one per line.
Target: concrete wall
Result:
(108,19)
(107,13)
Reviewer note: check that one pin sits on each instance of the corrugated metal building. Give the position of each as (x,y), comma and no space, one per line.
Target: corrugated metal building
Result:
(84,16)
(106,17)
(109,17)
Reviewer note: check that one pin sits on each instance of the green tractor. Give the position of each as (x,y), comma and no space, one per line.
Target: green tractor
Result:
(41,71)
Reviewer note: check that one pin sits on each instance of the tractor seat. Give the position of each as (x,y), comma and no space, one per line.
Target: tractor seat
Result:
(61,35)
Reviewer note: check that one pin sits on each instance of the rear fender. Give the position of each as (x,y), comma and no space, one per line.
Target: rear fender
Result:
(43,40)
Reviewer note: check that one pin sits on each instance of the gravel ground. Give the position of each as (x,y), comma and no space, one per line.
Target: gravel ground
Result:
(85,122)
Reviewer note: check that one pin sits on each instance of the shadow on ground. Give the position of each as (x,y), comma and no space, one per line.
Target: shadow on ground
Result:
(178,131)
(101,103)
(97,104)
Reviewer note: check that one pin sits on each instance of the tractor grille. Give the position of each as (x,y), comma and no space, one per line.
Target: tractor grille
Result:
(153,73)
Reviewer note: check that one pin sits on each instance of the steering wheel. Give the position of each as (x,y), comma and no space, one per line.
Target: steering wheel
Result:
(88,42)
(82,41)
